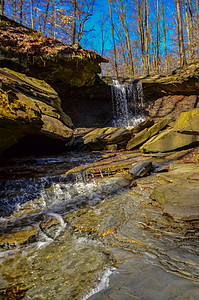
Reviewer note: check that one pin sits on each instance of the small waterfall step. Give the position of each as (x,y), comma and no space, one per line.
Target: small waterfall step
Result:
(128,102)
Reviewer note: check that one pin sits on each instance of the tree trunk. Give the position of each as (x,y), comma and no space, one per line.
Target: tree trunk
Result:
(32,19)
(46,15)
(142,39)
(74,21)
(165,38)
(114,49)
(189,27)
(148,55)
(180,34)
(126,31)
(2,4)
(122,16)
(20,11)
(158,40)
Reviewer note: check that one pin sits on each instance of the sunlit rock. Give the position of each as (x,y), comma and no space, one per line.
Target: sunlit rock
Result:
(188,122)
(145,134)
(170,140)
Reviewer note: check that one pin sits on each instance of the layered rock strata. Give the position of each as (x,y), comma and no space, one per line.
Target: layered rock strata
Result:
(30,106)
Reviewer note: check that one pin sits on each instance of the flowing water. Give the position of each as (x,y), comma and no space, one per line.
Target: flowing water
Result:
(128,101)
(88,238)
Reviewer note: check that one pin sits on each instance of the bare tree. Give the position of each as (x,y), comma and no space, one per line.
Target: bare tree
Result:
(141,30)
(189,27)
(158,40)
(74,20)
(119,7)
(84,12)
(20,11)
(113,37)
(2,5)
(148,54)
(180,34)
(165,38)
(46,15)
(31,14)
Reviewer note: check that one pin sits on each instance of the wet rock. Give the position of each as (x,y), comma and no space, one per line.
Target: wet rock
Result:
(99,138)
(19,236)
(112,147)
(145,134)
(140,169)
(105,167)
(179,200)
(170,140)
(188,122)
(52,225)
(55,129)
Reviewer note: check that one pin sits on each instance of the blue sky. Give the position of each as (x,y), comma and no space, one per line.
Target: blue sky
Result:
(94,41)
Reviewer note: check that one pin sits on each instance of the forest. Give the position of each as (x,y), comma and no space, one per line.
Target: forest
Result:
(138,37)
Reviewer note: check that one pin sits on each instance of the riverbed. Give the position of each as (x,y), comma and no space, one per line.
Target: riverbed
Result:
(89,237)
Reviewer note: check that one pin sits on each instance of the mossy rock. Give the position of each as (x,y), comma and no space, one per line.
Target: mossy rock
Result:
(170,140)
(188,122)
(145,134)
(29,106)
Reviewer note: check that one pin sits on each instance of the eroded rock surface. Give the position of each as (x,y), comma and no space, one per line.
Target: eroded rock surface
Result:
(26,50)
(188,122)
(100,138)
(30,106)
(180,199)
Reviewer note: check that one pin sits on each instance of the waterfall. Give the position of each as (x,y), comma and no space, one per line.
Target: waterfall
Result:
(128,101)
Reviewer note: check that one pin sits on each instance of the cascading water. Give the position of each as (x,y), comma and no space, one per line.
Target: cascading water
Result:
(120,107)
(127,100)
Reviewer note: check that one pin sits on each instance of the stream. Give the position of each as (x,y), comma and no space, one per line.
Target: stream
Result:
(88,238)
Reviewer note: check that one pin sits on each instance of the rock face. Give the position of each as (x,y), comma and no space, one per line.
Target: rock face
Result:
(25,50)
(183,81)
(72,71)
(30,106)
(88,106)
(171,106)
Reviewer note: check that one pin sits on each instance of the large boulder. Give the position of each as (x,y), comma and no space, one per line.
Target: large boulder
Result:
(30,106)
(170,140)
(145,134)
(188,122)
